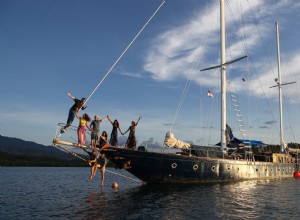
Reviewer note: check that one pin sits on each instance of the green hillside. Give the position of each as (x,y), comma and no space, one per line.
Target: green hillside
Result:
(17,152)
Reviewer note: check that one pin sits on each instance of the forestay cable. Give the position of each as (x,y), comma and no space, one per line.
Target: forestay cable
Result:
(137,180)
(124,51)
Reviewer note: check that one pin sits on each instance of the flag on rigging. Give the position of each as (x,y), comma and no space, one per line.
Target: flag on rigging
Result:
(209,94)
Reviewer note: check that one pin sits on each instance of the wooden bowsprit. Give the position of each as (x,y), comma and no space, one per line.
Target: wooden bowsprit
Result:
(57,141)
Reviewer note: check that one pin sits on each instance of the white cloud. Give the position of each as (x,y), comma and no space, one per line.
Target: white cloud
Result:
(135,75)
(175,52)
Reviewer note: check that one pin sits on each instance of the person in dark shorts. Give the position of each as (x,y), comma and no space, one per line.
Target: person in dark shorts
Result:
(92,162)
(73,110)
(95,128)
(102,161)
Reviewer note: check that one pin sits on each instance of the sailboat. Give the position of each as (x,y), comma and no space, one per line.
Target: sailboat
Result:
(206,164)
(197,164)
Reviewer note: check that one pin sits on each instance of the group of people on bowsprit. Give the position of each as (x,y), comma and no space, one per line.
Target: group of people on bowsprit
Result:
(97,140)
(94,127)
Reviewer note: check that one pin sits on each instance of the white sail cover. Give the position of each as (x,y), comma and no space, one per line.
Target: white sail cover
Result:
(171,141)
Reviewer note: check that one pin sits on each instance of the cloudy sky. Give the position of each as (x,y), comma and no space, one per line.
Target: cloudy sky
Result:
(51,47)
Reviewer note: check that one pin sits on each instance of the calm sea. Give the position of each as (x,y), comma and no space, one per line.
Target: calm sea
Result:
(67,193)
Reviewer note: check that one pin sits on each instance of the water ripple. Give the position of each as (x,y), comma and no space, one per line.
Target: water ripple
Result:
(67,193)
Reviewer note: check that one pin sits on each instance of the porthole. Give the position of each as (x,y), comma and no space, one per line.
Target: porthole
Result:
(283,169)
(213,168)
(228,168)
(256,170)
(174,165)
(195,167)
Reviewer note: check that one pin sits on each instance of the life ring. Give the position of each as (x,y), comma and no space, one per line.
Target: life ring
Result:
(195,167)
(174,165)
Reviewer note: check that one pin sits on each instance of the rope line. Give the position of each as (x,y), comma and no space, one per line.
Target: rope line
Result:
(188,84)
(250,59)
(70,152)
(126,176)
(108,72)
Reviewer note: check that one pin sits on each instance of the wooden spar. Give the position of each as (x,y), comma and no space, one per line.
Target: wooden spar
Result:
(56,141)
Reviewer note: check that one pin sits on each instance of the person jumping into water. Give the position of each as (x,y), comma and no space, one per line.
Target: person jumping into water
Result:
(73,110)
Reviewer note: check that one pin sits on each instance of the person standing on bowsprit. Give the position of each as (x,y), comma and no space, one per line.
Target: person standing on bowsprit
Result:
(95,127)
(73,110)
(131,141)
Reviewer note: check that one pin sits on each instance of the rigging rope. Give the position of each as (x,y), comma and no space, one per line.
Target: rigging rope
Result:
(290,72)
(126,176)
(187,85)
(70,152)
(108,72)
(250,59)
(261,38)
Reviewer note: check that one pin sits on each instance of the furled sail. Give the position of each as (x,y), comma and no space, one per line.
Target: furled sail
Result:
(171,141)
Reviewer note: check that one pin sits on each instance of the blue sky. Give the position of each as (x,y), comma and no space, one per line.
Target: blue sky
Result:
(49,48)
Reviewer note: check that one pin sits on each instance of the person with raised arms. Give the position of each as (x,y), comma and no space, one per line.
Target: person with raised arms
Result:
(113,141)
(131,141)
(73,110)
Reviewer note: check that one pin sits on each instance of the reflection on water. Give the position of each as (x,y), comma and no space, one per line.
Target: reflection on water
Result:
(66,193)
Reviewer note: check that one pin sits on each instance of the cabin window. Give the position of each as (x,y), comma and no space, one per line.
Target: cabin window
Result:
(195,167)
(174,165)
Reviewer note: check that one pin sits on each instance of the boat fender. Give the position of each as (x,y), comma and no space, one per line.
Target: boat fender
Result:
(115,185)
(296,174)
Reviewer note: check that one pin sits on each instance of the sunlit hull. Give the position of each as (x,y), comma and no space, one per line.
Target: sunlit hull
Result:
(152,167)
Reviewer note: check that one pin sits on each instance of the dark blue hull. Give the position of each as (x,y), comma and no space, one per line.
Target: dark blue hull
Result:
(152,167)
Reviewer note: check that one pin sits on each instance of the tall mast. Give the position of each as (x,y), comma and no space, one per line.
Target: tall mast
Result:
(279,88)
(223,78)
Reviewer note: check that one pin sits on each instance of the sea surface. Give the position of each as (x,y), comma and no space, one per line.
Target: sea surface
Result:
(67,193)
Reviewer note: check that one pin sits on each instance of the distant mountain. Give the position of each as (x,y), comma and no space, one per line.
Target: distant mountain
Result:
(15,146)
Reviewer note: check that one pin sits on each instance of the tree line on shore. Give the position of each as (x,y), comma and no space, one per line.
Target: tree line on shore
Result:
(7,159)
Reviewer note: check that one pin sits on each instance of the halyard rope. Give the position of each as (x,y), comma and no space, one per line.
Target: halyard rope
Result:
(108,72)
